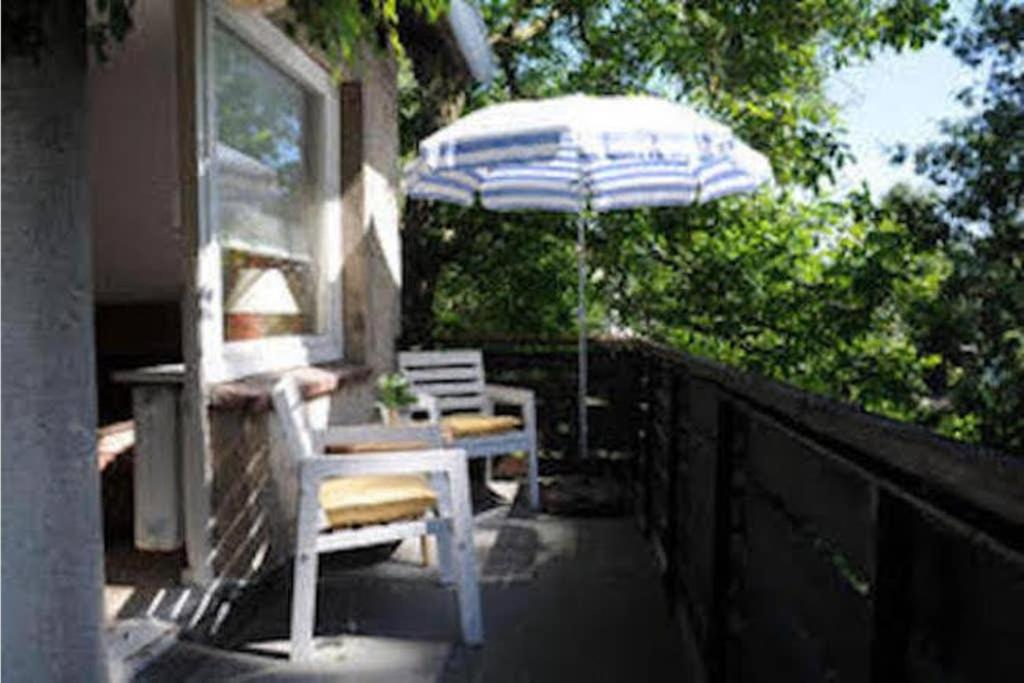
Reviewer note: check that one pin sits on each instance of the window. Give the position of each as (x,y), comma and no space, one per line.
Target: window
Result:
(272,215)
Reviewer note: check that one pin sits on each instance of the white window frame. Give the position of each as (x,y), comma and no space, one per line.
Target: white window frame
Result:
(225,360)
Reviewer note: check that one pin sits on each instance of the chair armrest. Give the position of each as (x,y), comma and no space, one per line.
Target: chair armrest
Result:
(409,436)
(316,468)
(516,396)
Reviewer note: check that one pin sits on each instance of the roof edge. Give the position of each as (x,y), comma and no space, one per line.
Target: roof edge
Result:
(470,31)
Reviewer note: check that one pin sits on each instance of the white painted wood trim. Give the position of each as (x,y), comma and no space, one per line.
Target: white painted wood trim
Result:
(428,372)
(428,404)
(286,54)
(418,359)
(193,24)
(417,376)
(493,445)
(464,558)
(442,484)
(464,403)
(393,462)
(379,533)
(500,393)
(427,434)
(453,524)
(305,569)
(231,360)
(157,467)
(448,388)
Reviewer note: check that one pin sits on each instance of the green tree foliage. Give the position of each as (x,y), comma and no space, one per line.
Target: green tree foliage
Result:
(821,294)
(857,299)
(979,327)
(759,66)
(339,27)
(814,293)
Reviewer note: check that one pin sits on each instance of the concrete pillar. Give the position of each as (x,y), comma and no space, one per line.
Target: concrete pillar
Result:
(52,545)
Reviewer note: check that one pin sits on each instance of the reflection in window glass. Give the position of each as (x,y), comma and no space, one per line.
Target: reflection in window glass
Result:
(266,211)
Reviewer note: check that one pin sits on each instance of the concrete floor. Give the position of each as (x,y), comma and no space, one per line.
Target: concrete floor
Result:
(563,599)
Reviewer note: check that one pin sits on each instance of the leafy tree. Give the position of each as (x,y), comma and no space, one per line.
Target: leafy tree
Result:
(339,27)
(822,294)
(911,307)
(979,328)
(759,66)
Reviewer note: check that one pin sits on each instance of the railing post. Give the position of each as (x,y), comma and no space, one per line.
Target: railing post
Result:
(728,547)
(645,470)
(889,627)
(652,447)
(672,427)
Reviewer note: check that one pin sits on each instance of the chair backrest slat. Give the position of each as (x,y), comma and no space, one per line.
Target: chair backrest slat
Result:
(291,412)
(455,377)
(444,374)
(462,404)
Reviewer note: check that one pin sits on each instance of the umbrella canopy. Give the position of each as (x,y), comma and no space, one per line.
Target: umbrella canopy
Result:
(579,152)
(567,153)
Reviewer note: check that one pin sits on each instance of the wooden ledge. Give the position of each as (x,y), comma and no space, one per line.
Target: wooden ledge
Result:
(252,394)
(114,440)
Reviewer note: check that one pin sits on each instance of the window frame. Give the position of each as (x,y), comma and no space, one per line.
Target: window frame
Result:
(226,360)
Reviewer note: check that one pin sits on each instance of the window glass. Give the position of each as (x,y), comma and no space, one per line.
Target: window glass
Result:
(267,213)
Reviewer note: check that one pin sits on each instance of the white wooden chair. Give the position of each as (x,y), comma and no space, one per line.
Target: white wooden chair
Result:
(363,495)
(452,387)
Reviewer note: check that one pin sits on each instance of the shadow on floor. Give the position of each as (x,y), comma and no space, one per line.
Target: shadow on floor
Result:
(563,599)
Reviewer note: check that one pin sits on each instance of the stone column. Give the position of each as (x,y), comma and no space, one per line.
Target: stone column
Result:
(52,546)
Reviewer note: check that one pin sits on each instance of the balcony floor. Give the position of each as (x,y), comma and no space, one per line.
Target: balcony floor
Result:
(563,599)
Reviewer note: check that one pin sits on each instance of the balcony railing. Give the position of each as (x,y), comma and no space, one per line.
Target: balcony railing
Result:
(798,538)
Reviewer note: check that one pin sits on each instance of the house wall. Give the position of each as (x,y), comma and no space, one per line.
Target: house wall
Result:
(142,256)
(138,246)
(138,250)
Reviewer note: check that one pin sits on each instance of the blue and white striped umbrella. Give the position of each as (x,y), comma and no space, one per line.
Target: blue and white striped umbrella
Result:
(577,152)
(567,153)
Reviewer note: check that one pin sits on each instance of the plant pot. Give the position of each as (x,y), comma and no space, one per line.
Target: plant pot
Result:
(394,417)
(246,326)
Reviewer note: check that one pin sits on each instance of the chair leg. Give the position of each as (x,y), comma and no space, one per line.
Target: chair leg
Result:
(425,551)
(464,558)
(304,585)
(532,477)
(530,427)
(488,470)
(442,486)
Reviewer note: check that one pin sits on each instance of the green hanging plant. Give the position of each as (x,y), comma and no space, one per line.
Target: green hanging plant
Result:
(337,27)
(111,22)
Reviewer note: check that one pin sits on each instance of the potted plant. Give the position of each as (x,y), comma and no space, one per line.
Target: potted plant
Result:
(394,397)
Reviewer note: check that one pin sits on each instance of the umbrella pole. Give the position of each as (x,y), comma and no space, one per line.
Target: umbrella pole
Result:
(581,320)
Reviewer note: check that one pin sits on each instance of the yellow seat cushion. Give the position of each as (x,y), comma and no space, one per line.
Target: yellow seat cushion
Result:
(462,425)
(375,499)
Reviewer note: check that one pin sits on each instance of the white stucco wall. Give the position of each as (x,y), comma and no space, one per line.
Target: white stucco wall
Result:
(374,208)
(139,246)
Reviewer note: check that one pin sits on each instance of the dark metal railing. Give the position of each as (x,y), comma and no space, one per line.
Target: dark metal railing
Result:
(799,538)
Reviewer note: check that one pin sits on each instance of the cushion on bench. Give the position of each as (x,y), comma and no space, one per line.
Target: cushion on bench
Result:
(375,499)
(462,425)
